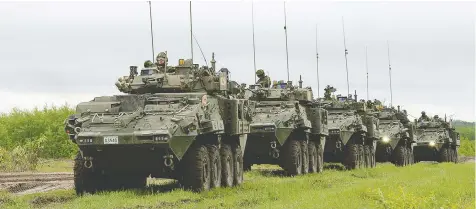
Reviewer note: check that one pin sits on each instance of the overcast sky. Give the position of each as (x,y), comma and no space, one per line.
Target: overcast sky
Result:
(60,52)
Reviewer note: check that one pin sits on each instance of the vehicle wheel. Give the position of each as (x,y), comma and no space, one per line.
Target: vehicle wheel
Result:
(215,166)
(373,160)
(237,165)
(412,157)
(367,156)
(226,165)
(351,156)
(361,156)
(305,157)
(197,168)
(444,154)
(292,157)
(399,155)
(85,179)
(320,158)
(312,150)
(456,155)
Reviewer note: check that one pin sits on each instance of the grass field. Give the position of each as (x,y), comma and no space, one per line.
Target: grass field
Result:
(424,185)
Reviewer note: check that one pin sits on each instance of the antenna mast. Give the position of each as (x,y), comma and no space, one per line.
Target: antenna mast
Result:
(191,33)
(286,34)
(317,67)
(151,32)
(367,69)
(254,50)
(390,74)
(346,52)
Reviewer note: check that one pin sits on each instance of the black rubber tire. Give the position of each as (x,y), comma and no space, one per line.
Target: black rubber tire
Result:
(215,166)
(456,155)
(312,150)
(85,180)
(367,156)
(292,158)
(373,160)
(444,155)
(351,160)
(305,157)
(320,158)
(197,168)
(237,165)
(361,156)
(226,156)
(399,155)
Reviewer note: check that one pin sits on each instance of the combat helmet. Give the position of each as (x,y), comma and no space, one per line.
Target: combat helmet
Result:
(260,72)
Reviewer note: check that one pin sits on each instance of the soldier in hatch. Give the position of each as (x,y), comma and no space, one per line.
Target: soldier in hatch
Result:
(148,64)
(264,80)
(423,117)
(161,62)
(328,92)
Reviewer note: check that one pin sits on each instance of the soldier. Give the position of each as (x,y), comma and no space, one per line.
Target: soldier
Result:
(264,80)
(423,117)
(161,62)
(148,64)
(328,92)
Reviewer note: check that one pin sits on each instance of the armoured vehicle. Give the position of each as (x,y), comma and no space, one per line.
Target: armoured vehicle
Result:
(396,142)
(287,129)
(176,122)
(352,132)
(436,140)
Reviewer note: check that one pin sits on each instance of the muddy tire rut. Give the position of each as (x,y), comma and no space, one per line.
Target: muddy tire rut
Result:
(27,183)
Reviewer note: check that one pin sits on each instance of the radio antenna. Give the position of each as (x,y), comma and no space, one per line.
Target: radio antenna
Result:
(191,31)
(346,52)
(390,74)
(367,69)
(317,67)
(254,49)
(203,55)
(151,31)
(286,35)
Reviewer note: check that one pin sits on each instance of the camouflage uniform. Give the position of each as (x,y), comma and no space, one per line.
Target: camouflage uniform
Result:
(264,80)
(328,91)
(423,117)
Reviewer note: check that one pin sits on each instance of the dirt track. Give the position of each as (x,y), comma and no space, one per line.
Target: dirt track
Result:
(29,182)
(26,183)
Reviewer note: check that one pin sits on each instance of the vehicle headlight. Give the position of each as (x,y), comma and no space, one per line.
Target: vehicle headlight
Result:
(386,139)
(432,143)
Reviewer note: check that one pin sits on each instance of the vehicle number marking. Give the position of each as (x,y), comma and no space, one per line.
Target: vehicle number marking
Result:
(111,140)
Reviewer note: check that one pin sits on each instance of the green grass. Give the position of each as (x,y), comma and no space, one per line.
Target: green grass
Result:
(424,185)
(57,165)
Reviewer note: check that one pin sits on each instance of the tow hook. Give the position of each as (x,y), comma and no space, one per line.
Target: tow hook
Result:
(274,152)
(338,145)
(168,160)
(88,162)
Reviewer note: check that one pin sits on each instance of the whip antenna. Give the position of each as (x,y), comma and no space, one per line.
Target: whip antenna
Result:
(286,34)
(203,55)
(317,67)
(346,52)
(253,26)
(367,69)
(191,31)
(390,74)
(151,31)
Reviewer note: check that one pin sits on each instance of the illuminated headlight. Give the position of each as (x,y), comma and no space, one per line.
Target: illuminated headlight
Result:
(432,143)
(386,139)
(161,138)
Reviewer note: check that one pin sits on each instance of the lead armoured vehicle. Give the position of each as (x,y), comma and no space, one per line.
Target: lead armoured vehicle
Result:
(287,129)
(396,142)
(174,122)
(436,140)
(352,132)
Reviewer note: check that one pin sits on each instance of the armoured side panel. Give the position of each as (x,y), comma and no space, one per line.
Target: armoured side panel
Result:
(233,114)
